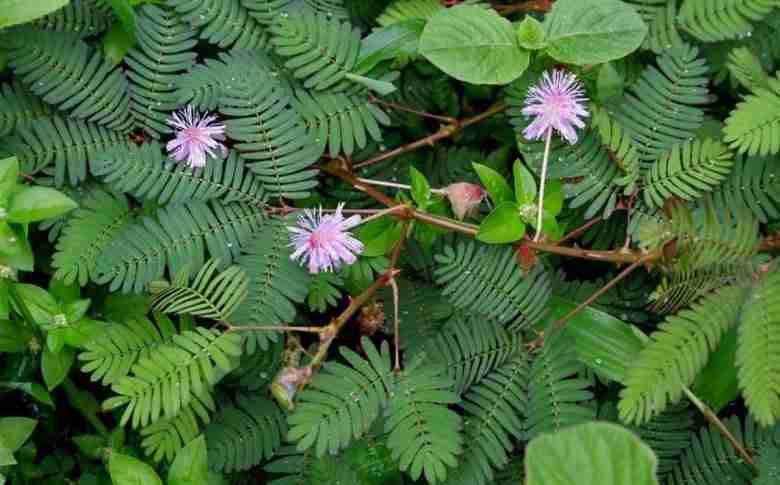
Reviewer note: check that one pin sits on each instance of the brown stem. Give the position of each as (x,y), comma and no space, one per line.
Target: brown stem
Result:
(399,107)
(395,255)
(445,131)
(274,328)
(529,6)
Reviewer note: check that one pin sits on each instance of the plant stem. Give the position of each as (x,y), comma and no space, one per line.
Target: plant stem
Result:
(384,212)
(542,180)
(445,131)
(274,328)
(710,416)
(86,404)
(399,107)
(529,6)
(396,185)
(577,232)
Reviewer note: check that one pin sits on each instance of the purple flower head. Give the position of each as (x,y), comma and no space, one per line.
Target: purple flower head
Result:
(557,103)
(324,239)
(196,136)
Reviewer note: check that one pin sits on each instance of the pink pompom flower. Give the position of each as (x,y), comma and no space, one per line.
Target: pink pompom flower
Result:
(464,198)
(557,103)
(196,137)
(324,240)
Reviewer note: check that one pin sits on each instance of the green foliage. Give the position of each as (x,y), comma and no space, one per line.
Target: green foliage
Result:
(165,437)
(754,126)
(484,280)
(712,21)
(677,351)
(18,107)
(211,294)
(82,17)
(753,183)
(175,239)
(226,23)
(144,172)
(65,72)
(746,67)
(342,402)
(91,228)
(175,373)
(162,52)
(242,436)
(400,10)
(275,283)
(424,434)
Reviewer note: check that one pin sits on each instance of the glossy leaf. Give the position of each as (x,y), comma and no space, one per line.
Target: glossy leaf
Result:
(55,366)
(126,470)
(503,225)
(553,197)
(14,12)
(592,31)
(37,203)
(421,190)
(525,184)
(530,34)
(190,467)
(14,431)
(474,44)
(495,184)
(717,383)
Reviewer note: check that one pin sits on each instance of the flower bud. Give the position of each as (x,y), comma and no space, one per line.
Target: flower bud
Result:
(464,198)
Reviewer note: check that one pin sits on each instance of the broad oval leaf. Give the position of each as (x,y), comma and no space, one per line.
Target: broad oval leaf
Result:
(38,203)
(595,453)
(55,366)
(14,12)
(14,431)
(592,31)
(495,184)
(126,470)
(503,225)
(190,467)
(475,45)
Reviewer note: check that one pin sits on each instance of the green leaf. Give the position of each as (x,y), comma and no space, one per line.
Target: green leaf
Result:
(33,389)
(41,305)
(117,42)
(37,203)
(190,467)
(123,10)
(602,342)
(14,431)
(15,249)
(6,458)
(126,470)
(595,453)
(609,84)
(530,34)
(495,184)
(14,12)
(503,225)
(9,171)
(525,184)
(421,189)
(717,383)
(550,226)
(473,44)
(55,366)
(382,88)
(592,31)
(396,40)
(13,337)
(378,236)
(553,197)
(64,292)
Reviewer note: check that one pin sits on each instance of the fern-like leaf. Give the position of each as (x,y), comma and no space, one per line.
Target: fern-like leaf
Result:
(244,435)
(758,350)
(110,354)
(88,231)
(83,17)
(424,434)
(747,69)
(144,172)
(66,72)
(267,11)
(18,107)
(226,23)
(211,294)
(339,120)
(165,381)
(688,171)
(495,409)
(162,52)
(556,389)
(174,239)
(677,351)
(272,137)
(661,19)
(487,280)
(754,126)
(662,107)
(276,283)
(754,183)
(716,20)
(400,10)
(66,143)
(342,402)
(319,49)
(163,439)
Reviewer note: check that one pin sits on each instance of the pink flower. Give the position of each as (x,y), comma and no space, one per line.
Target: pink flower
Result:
(324,240)
(556,103)
(464,198)
(196,136)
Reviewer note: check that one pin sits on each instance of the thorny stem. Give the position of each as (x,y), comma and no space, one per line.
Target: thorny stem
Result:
(399,107)
(529,6)
(542,180)
(445,131)
(578,232)
(384,212)
(396,185)
(710,416)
